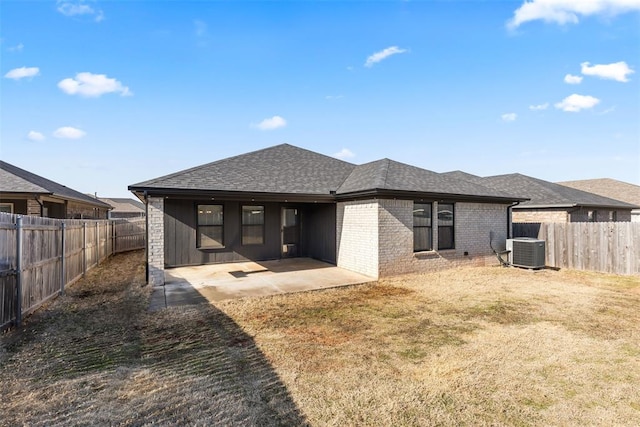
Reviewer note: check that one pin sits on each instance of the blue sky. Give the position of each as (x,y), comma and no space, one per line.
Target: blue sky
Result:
(101,95)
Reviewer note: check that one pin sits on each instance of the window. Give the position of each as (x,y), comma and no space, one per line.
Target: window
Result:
(6,207)
(422,231)
(592,216)
(613,216)
(210,226)
(253,225)
(445,226)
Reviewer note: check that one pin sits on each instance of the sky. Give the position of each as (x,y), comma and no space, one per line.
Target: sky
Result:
(100,95)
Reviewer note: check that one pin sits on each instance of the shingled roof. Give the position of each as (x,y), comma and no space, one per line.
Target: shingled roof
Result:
(608,187)
(16,180)
(545,194)
(286,169)
(121,205)
(390,175)
(280,169)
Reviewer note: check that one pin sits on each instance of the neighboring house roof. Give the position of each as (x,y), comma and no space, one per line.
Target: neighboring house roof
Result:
(285,169)
(545,194)
(608,187)
(16,180)
(123,205)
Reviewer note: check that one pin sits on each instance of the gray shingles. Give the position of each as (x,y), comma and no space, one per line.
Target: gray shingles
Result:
(548,194)
(391,175)
(16,180)
(292,170)
(280,169)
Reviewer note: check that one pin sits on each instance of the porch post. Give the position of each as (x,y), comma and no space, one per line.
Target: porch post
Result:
(155,242)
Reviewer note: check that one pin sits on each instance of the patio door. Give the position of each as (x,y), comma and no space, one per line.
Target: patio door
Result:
(290,232)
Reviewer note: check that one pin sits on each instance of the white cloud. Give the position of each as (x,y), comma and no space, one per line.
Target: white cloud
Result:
(333,97)
(201,33)
(92,85)
(572,80)
(383,54)
(67,132)
(35,136)
(200,28)
(574,103)
(22,72)
(509,117)
(79,8)
(274,122)
(16,48)
(539,107)
(345,153)
(607,111)
(617,71)
(567,11)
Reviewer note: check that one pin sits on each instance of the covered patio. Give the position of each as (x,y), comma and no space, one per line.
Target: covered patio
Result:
(218,282)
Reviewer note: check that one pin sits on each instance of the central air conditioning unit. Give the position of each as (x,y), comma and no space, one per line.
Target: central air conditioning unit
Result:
(526,252)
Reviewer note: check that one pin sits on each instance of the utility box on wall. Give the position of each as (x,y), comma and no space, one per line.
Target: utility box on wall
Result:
(526,252)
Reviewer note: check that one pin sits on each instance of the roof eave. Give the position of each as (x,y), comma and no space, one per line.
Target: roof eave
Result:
(230,195)
(381,192)
(575,205)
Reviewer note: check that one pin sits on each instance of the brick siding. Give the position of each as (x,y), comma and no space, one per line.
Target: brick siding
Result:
(375,237)
(567,215)
(357,236)
(155,242)
(33,207)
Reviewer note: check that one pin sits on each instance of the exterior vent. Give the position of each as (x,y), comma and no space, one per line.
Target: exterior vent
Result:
(526,252)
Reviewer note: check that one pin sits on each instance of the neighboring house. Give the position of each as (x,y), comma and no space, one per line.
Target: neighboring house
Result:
(124,207)
(549,202)
(378,219)
(608,187)
(25,193)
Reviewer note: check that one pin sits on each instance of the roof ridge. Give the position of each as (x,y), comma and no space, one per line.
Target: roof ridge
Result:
(387,163)
(191,169)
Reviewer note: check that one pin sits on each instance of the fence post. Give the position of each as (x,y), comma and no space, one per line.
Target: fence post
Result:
(63,273)
(97,244)
(84,249)
(19,271)
(115,236)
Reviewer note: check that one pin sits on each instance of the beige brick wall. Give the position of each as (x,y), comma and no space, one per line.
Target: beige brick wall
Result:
(375,237)
(547,215)
(564,215)
(357,236)
(473,223)
(33,207)
(155,242)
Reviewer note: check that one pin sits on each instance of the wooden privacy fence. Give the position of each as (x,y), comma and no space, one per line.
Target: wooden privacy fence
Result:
(610,247)
(40,256)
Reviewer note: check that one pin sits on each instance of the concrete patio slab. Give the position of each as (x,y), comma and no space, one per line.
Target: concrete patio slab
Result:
(217,282)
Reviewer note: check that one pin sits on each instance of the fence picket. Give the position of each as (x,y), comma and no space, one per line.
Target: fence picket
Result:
(53,254)
(611,247)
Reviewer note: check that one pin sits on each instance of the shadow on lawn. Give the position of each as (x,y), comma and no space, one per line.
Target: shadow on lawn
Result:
(98,356)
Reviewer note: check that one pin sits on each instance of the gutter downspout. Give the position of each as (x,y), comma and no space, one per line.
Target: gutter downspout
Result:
(37,199)
(509,221)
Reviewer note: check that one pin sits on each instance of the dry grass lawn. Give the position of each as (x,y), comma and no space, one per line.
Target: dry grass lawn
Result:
(472,346)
